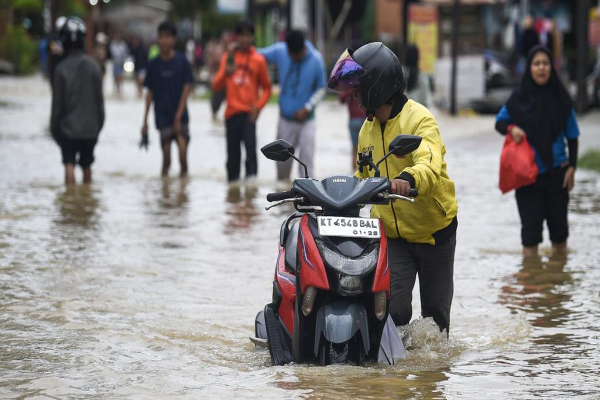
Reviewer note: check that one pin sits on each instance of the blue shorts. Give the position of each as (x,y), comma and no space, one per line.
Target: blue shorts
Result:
(354,126)
(118,70)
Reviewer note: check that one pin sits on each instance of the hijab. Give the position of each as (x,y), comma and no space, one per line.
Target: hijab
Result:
(541,111)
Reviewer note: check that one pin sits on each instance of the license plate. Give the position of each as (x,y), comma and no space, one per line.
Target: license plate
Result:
(349,227)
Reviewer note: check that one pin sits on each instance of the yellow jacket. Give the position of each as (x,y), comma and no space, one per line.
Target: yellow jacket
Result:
(436,206)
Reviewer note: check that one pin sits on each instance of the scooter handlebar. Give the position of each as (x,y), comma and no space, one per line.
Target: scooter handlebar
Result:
(277,196)
(411,193)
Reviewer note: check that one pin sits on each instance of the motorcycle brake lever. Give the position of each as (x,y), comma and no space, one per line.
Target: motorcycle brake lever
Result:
(396,197)
(280,202)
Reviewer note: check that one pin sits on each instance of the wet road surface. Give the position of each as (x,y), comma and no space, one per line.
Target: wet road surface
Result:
(139,287)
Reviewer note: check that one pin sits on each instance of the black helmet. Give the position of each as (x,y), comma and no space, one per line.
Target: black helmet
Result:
(72,33)
(373,70)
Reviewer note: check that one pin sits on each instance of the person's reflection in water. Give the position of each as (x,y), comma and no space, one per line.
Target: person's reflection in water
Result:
(78,206)
(241,209)
(539,288)
(174,199)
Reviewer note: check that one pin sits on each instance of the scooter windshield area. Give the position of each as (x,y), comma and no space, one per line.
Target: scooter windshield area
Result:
(338,194)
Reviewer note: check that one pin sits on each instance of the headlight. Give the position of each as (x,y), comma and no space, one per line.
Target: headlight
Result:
(129,66)
(349,266)
(350,284)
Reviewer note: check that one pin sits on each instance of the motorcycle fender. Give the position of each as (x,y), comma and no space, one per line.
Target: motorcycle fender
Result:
(339,321)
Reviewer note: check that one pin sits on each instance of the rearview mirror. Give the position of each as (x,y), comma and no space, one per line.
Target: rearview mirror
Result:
(279,150)
(404,144)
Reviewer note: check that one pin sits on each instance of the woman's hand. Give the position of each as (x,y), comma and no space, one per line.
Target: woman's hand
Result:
(569,180)
(517,134)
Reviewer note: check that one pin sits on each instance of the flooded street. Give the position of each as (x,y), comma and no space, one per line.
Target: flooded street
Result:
(139,287)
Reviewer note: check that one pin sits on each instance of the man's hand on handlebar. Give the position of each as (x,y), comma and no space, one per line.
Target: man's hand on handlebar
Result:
(401,187)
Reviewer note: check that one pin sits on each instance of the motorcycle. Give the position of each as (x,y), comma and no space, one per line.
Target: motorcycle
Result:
(331,286)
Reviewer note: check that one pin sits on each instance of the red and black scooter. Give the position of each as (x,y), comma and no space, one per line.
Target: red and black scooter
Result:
(332,281)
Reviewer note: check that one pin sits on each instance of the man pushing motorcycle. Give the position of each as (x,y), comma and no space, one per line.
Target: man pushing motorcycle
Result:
(421,236)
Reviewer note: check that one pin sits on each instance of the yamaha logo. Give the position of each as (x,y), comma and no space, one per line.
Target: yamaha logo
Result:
(339,180)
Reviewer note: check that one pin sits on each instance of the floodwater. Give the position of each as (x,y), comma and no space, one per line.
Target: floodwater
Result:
(138,287)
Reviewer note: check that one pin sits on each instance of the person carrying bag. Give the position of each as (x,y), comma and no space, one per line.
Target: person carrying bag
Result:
(542,109)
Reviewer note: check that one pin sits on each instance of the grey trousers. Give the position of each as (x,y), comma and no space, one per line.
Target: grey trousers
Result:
(435,267)
(301,135)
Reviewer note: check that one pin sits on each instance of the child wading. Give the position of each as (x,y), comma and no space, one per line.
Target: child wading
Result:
(169,81)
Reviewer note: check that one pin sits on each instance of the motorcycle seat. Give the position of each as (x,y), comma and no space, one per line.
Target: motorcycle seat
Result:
(291,247)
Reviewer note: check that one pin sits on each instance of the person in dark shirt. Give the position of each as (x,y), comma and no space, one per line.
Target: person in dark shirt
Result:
(530,38)
(169,81)
(140,60)
(77,102)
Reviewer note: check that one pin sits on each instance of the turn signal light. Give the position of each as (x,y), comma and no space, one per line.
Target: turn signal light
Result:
(380,304)
(309,300)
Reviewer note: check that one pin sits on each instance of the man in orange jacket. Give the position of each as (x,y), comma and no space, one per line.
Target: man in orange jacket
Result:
(243,72)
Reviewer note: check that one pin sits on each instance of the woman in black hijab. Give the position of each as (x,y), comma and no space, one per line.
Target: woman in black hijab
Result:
(542,110)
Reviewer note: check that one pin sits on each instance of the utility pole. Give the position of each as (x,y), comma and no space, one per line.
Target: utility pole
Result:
(455,27)
(405,5)
(524,8)
(319,21)
(582,40)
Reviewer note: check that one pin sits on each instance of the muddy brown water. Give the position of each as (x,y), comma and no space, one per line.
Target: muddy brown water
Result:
(137,287)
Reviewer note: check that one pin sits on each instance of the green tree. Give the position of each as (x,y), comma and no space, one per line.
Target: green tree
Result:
(18,48)
(212,21)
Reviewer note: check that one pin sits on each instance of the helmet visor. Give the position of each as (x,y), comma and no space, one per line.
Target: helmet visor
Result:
(345,74)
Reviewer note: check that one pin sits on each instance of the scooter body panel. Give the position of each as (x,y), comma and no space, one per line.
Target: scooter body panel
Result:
(382,273)
(312,269)
(286,283)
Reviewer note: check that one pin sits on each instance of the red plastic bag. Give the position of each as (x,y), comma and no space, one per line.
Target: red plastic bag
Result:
(517,165)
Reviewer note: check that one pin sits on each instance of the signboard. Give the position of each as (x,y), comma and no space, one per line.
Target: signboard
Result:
(299,15)
(595,27)
(423,32)
(231,6)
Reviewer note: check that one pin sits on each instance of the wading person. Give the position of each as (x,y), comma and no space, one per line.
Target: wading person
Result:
(77,102)
(301,73)
(169,81)
(356,119)
(118,53)
(421,236)
(242,73)
(140,57)
(542,110)
(417,84)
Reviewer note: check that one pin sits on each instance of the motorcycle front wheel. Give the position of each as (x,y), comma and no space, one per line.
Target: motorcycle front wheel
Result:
(341,353)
